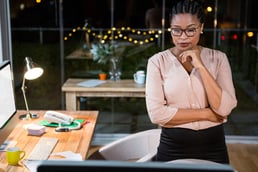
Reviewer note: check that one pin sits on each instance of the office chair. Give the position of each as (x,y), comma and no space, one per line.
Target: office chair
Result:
(136,147)
(141,147)
(193,161)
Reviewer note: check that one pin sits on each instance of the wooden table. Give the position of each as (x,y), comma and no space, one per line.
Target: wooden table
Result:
(121,88)
(80,54)
(77,141)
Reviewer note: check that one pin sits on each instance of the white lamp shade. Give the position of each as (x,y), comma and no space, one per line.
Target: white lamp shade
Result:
(33,73)
(32,70)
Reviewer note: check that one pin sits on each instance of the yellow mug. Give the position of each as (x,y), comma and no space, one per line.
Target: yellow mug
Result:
(14,155)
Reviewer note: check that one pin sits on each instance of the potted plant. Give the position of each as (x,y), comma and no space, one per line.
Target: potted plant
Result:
(105,52)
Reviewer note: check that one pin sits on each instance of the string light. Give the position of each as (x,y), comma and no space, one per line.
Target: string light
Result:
(124,33)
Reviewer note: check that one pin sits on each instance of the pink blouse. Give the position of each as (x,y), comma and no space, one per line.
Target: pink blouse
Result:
(169,87)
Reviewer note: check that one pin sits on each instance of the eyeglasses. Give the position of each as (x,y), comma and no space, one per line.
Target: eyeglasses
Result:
(189,32)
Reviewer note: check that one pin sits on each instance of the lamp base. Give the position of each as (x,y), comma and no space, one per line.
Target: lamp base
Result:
(28,116)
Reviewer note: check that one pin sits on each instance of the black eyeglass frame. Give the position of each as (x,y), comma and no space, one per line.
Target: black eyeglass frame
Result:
(185,31)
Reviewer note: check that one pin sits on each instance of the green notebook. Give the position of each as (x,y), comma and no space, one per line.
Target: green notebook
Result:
(51,124)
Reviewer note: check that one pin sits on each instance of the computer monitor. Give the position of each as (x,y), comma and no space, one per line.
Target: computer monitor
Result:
(121,166)
(7,102)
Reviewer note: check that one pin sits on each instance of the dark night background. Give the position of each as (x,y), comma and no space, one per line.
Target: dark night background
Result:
(97,13)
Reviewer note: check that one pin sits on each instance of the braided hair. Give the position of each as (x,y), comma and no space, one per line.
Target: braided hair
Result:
(194,7)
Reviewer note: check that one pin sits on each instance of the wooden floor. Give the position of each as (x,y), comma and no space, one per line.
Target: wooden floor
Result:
(243,157)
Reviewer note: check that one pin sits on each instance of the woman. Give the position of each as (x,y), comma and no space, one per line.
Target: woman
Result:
(189,91)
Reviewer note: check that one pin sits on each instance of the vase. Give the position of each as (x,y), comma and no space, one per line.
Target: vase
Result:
(115,70)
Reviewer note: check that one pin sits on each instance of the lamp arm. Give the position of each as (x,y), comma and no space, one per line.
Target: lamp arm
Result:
(24,96)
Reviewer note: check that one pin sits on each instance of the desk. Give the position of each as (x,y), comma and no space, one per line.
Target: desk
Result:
(80,54)
(77,141)
(121,88)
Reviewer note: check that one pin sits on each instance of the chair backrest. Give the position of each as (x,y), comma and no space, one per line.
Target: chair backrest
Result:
(193,161)
(139,147)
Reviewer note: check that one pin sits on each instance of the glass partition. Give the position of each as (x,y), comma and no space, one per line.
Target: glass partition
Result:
(37,28)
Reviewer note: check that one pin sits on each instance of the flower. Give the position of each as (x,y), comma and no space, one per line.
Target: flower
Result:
(102,52)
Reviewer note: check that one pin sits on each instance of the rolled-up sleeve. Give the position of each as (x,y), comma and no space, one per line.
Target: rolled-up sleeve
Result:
(158,110)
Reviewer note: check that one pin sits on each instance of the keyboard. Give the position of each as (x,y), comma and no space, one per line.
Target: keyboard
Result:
(43,148)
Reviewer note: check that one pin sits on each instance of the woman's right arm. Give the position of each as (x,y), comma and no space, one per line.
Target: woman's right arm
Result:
(184,116)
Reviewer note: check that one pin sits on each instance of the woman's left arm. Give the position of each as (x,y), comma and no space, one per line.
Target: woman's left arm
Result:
(213,90)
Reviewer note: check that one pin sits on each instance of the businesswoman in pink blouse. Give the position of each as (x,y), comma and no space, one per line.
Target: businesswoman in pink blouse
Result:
(189,91)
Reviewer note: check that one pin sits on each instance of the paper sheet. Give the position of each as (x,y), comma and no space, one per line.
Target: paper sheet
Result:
(91,83)
(32,165)
(67,155)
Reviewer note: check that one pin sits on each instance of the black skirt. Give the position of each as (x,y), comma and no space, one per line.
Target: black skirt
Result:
(180,143)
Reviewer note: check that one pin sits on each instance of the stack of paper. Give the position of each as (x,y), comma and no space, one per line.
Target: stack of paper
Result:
(91,83)
(36,130)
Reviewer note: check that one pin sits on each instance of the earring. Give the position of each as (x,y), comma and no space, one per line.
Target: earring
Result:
(201,32)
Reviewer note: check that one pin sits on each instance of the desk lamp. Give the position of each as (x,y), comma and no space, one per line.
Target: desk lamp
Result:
(32,71)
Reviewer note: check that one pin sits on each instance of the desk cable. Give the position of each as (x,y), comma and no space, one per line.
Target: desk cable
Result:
(66,129)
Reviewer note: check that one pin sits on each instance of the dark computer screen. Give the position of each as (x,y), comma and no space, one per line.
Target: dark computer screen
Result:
(121,166)
(7,100)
